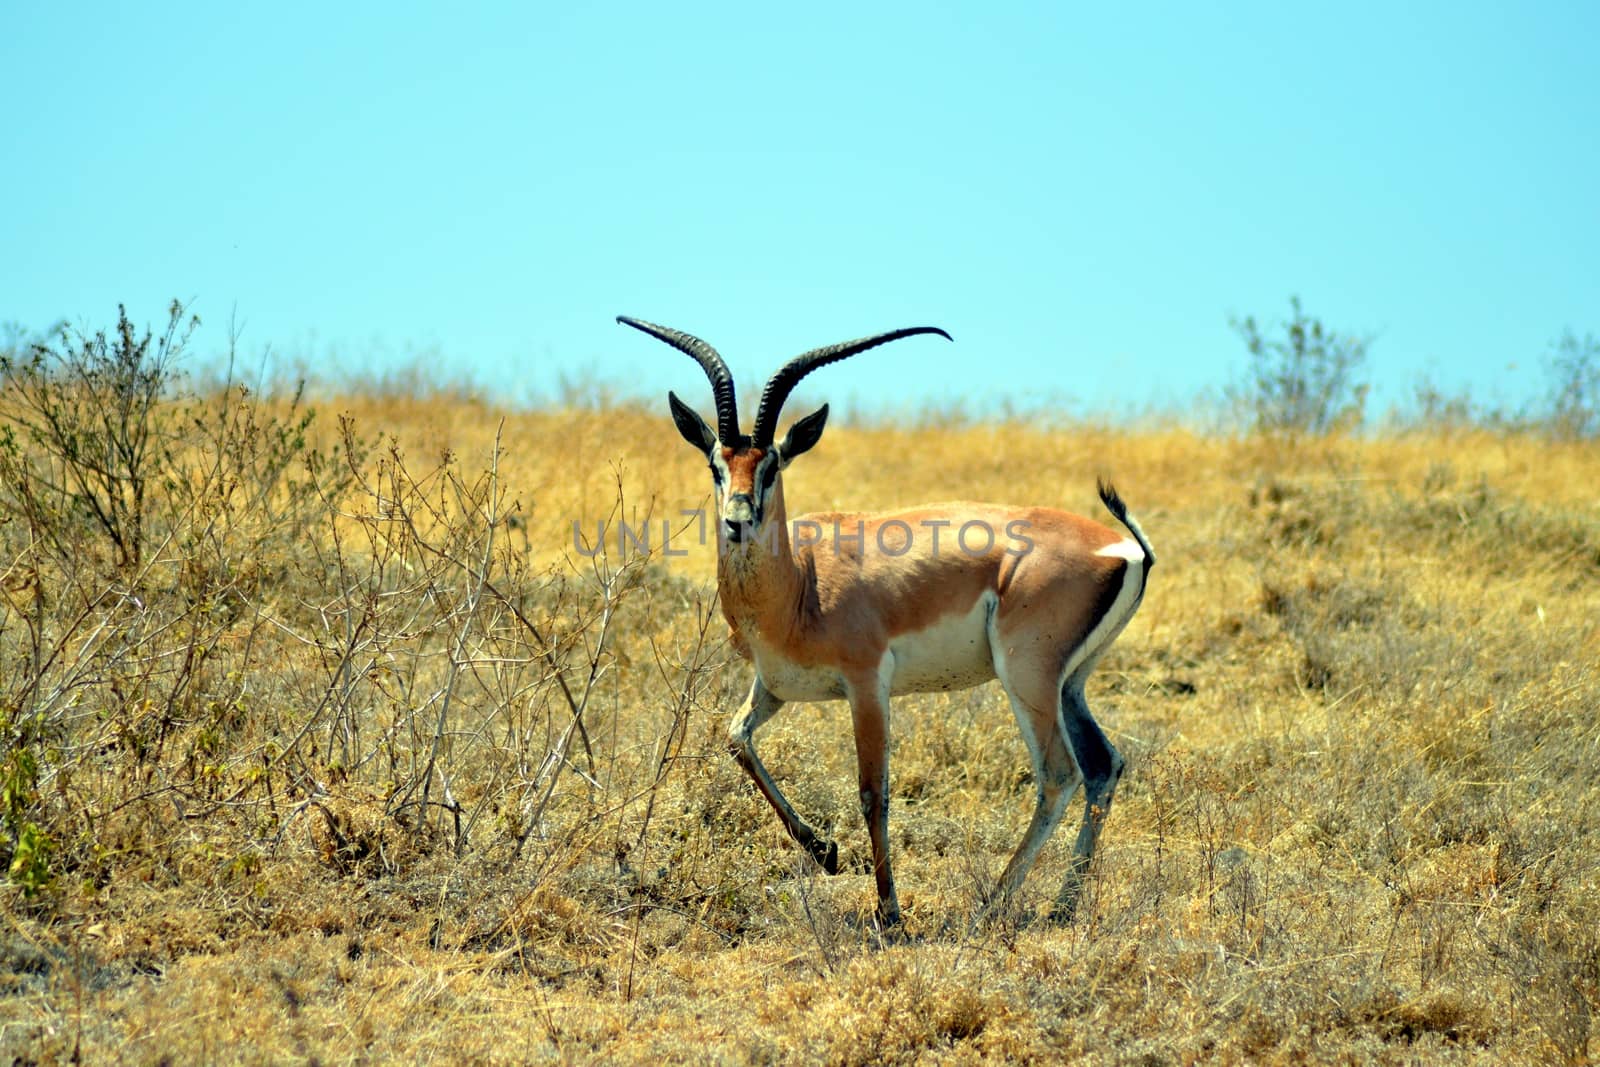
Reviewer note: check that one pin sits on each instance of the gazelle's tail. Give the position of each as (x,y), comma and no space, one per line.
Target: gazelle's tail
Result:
(1113,502)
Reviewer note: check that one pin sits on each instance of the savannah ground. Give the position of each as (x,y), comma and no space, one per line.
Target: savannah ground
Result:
(361,761)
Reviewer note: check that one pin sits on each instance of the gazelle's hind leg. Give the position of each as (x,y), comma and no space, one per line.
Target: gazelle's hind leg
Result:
(758,707)
(1055,778)
(1101,766)
(1029,675)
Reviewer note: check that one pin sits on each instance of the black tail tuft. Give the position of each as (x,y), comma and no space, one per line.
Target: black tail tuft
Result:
(1113,502)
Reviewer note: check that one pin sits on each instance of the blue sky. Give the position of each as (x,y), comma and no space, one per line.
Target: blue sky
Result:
(1081,194)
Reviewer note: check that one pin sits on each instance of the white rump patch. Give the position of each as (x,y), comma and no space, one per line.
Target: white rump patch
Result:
(1127,549)
(1112,622)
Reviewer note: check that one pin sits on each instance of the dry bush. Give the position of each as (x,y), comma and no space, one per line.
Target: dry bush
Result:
(379,764)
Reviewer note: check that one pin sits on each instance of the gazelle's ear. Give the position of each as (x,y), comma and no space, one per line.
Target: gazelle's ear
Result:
(691,425)
(803,435)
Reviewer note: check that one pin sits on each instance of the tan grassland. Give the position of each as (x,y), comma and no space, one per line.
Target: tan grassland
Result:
(313,791)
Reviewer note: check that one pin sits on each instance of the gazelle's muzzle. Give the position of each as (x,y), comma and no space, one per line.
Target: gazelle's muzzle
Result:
(739,516)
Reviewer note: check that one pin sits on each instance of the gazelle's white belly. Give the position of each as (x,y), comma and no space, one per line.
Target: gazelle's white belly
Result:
(953,653)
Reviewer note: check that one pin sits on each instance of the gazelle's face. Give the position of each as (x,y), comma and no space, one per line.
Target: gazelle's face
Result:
(747,477)
(747,481)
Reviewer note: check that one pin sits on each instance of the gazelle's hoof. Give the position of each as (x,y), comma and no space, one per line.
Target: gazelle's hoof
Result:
(1065,910)
(826,853)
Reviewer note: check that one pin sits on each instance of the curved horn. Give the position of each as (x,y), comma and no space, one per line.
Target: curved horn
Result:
(783,382)
(710,362)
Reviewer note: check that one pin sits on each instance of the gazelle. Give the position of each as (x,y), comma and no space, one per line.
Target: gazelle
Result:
(863,606)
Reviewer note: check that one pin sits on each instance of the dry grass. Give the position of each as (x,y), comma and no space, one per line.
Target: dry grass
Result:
(329,803)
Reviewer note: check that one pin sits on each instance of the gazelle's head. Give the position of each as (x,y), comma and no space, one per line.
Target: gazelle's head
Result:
(746,469)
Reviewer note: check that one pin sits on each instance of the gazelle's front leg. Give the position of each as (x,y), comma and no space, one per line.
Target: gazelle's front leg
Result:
(869,707)
(758,707)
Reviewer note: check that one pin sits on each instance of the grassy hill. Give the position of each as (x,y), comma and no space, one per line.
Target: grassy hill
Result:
(362,760)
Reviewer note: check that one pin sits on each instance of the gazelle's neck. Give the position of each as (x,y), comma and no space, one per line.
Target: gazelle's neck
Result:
(762,585)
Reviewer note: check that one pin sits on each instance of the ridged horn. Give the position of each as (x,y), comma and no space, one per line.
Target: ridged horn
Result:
(710,362)
(781,384)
